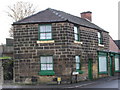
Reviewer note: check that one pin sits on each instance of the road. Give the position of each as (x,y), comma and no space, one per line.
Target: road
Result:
(109,84)
(101,84)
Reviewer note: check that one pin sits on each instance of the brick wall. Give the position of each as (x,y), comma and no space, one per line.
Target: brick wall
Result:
(27,51)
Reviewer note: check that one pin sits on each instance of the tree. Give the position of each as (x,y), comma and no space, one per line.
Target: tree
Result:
(19,11)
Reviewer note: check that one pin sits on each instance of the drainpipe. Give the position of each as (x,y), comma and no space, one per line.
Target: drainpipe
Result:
(71,75)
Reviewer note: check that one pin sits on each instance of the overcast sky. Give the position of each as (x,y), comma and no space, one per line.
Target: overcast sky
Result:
(104,12)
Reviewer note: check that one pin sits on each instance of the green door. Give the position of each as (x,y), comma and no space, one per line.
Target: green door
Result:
(111,66)
(90,76)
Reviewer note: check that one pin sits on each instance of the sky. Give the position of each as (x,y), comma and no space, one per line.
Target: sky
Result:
(104,13)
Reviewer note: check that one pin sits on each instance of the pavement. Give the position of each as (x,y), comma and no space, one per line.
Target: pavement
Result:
(0,87)
(74,85)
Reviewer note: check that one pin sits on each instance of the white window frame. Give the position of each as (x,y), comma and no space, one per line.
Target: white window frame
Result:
(46,63)
(45,32)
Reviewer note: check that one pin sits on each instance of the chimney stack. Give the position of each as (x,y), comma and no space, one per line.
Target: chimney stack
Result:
(87,15)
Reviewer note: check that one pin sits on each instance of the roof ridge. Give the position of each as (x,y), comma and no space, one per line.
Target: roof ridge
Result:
(68,14)
(57,14)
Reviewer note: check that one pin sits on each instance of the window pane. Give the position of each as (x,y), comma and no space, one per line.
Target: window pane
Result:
(43,67)
(49,66)
(102,64)
(48,36)
(46,63)
(76,36)
(43,59)
(42,28)
(42,35)
(48,28)
(117,64)
(77,58)
(75,30)
(99,36)
(77,66)
(49,59)
(99,41)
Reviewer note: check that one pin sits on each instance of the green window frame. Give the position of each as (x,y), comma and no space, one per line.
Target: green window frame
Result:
(78,65)
(76,34)
(45,32)
(46,65)
(102,63)
(117,63)
(100,38)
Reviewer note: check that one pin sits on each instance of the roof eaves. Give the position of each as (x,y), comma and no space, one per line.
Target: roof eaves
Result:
(52,21)
(86,26)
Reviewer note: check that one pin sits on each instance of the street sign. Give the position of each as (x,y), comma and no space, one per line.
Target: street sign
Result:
(59,79)
(75,73)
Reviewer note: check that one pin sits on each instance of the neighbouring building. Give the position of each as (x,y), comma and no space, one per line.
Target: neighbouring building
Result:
(114,57)
(117,42)
(53,44)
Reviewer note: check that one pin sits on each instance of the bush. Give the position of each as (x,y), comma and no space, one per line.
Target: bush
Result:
(8,69)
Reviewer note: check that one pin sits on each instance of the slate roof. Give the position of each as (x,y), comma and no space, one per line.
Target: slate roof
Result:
(117,42)
(52,15)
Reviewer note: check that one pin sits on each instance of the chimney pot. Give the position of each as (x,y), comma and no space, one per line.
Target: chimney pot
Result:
(87,15)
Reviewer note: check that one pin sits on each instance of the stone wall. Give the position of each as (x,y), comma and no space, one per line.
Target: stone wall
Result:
(1,72)
(63,48)
(25,55)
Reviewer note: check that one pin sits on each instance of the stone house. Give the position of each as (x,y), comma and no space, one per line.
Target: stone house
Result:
(53,44)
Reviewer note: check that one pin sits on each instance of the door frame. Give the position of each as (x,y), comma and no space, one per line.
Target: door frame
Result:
(112,65)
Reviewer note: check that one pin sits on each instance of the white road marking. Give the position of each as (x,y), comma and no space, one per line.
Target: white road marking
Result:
(81,85)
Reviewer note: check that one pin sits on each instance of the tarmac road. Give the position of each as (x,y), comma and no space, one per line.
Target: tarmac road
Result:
(109,84)
(101,83)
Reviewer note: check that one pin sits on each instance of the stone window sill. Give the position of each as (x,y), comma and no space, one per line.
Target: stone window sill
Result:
(78,42)
(49,41)
(100,45)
